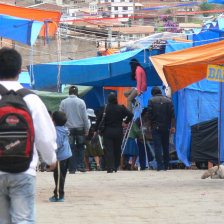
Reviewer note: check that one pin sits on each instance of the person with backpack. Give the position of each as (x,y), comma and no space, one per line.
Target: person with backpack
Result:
(25,127)
(63,154)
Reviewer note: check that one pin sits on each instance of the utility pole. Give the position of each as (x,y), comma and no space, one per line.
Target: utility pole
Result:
(110,37)
(133,18)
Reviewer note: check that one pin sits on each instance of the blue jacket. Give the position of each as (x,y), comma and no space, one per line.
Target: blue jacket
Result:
(63,151)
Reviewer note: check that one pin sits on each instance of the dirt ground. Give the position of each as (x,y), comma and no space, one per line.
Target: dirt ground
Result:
(132,197)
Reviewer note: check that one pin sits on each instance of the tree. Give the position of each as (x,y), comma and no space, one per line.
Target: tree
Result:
(170,26)
(205,7)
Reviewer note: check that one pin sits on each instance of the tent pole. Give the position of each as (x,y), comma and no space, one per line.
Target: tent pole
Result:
(220,123)
(104,100)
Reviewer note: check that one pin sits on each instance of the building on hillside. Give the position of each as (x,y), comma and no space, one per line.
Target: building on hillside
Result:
(21,3)
(189,27)
(133,33)
(8,2)
(118,8)
(50,7)
(168,9)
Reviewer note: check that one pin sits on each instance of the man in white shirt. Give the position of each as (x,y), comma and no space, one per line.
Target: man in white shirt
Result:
(17,190)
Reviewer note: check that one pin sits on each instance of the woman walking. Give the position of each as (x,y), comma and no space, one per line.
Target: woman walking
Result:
(113,131)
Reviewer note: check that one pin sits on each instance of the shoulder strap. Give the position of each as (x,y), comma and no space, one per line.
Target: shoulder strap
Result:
(3,90)
(23,92)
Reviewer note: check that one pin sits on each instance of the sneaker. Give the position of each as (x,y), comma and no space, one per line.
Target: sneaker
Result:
(53,199)
(81,169)
(61,200)
(72,172)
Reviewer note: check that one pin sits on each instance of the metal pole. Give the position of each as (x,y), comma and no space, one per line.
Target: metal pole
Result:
(220,124)
(133,18)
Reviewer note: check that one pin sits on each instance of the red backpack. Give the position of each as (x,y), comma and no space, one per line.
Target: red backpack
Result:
(16,131)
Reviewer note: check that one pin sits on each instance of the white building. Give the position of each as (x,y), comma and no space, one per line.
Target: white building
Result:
(118,8)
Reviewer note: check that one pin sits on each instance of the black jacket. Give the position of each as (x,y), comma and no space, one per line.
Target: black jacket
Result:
(160,112)
(115,114)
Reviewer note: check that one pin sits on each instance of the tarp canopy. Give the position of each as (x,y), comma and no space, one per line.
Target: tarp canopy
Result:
(181,68)
(93,96)
(113,70)
(51,18)
(177,45)
(24,31)
(195,103)
(216,1)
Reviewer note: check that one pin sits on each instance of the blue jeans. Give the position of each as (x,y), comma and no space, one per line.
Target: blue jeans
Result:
(17,198)
(77,144)
(161,146)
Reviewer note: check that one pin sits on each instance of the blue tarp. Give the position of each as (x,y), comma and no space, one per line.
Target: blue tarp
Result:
(94,98)
(113,70)
(22,30)
(193,104)
(211,32)
(216,1)
(24,79)
(206,37)
(177,45)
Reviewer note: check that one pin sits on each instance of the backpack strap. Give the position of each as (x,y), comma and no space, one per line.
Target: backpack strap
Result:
(23,92)
(3,90)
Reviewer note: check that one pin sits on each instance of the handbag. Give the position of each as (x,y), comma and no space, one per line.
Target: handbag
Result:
(102,122)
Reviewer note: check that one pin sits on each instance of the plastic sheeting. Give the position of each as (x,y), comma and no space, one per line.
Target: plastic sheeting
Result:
(177,45)
(206,37)
(216,1)
(113,70)
(193,104)
(204,143)
(51,18)
(94,97)
(182,68)
(147,41)
(22,30)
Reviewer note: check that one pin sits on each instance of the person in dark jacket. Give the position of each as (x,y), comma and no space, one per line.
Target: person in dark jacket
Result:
(113,131)
(161,116)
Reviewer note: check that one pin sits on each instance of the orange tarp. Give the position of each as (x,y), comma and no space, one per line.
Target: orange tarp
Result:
(34,14)
(120,94)
(181,68)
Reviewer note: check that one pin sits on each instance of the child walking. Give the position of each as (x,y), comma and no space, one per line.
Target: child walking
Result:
(63,154)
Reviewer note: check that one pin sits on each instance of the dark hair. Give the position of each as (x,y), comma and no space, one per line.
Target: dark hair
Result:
(73,90)
(10,63)
(112,98)
(59,118)
(155,91)
(134,63)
